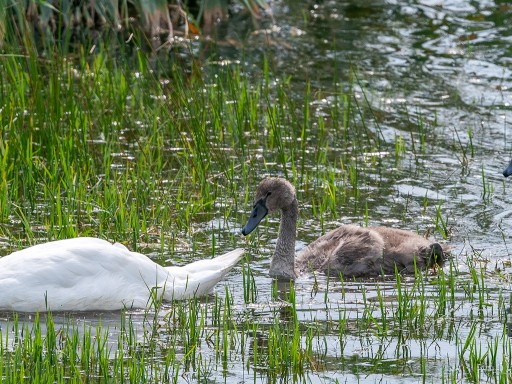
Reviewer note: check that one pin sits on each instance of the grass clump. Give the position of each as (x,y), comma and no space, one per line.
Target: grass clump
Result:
(135,154)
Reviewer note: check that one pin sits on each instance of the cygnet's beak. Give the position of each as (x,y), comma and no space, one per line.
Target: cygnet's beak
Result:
(259,211)
(508,171)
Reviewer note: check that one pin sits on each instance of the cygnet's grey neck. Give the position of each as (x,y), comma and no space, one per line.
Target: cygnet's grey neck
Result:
(282,264)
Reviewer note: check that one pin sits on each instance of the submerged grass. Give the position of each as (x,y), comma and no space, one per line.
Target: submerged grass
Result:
(167,162)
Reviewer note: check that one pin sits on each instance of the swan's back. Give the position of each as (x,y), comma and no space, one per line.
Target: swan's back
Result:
(348,250)
(361,252)
(408,250)
(76,274)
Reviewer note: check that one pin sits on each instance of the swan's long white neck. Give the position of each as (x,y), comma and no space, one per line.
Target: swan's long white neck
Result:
(282,264)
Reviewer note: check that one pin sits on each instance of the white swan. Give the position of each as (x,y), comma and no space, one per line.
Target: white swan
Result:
(84,274)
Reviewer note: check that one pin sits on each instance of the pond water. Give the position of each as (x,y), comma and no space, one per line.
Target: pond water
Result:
(442,65)
(435,80)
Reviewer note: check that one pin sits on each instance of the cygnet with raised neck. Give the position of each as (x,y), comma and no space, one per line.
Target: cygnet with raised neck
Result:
(348,250)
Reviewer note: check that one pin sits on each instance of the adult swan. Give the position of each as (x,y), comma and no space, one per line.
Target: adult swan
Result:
(84,274)
(348,250)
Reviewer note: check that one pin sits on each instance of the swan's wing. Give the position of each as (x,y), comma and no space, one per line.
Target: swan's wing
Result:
(76,274)
(62,260)
(222,262)
(349,250)
(93,274)
(198,278)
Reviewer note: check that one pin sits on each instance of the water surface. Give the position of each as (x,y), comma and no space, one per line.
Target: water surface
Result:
(434,77)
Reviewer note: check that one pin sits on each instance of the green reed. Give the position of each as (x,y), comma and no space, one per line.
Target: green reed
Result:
(441,224)
(108,131)
(143,153)
(487,188)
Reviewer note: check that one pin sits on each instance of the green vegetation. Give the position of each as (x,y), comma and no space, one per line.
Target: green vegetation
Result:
(135,155)
(134,150)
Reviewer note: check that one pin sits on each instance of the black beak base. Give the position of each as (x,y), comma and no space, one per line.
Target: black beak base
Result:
(508,171)
(259,211)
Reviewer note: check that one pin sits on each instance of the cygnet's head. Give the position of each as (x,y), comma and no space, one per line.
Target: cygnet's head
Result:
(272,194)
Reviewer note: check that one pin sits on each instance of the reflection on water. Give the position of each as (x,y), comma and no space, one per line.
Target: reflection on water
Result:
(438,76)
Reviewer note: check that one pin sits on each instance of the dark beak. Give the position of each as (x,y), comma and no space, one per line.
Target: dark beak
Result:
(259,211)
(508,171)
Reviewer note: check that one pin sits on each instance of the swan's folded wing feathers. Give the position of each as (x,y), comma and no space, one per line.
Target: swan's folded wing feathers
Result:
(223,262)
(349,249)
(183,284)
(80,273)
(93,274)
(199,278)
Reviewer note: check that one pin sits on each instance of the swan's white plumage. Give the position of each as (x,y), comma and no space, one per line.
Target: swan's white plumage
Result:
(85,274)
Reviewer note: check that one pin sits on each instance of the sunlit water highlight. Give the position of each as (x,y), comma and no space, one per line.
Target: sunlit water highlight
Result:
(442,66)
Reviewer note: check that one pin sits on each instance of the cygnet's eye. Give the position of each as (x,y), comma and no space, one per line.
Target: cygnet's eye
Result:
(268,194)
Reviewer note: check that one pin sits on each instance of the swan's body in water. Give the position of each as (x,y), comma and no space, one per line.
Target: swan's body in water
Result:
(348,250)
(84,274)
